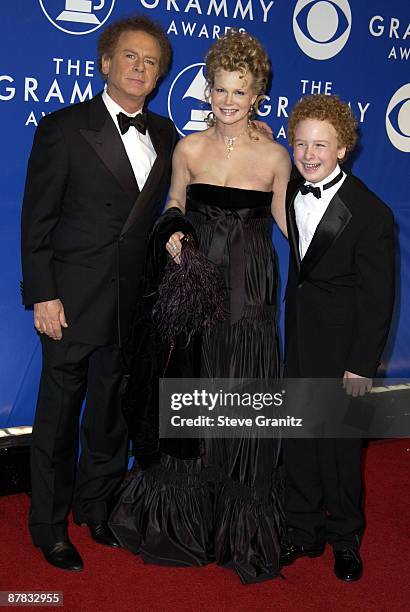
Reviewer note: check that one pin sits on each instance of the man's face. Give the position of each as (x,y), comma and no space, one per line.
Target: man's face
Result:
(132,70)
(316,150)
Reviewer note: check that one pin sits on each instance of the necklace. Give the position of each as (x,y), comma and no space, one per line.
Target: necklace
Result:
(230,143)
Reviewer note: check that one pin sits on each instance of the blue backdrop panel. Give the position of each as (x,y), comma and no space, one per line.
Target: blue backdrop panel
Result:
(359,50)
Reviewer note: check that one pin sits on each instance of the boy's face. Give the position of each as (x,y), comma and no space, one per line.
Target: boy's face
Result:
(315,149)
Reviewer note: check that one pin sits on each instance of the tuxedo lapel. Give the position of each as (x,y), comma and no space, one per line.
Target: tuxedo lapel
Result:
(332,224)
(106,141)
(144,199)
(293,233)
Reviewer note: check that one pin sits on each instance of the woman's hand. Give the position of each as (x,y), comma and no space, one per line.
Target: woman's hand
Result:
(174,246)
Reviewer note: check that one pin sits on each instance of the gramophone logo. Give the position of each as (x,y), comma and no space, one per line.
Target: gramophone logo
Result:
(77,16)
(187,106)
(322,28)
(398,119)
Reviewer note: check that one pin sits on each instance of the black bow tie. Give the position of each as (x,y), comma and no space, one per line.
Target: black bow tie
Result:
(305,189)
(139,122)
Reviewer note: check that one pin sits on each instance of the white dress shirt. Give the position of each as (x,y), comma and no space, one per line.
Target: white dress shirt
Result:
(309,210)
(138,147)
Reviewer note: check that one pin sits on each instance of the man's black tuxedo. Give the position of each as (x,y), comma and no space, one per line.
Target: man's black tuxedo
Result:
(339,302)
(85,227)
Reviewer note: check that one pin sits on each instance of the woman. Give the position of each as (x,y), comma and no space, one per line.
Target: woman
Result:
(228,180)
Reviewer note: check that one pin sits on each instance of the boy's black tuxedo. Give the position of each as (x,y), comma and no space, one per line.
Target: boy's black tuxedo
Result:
(339,302)
(85,227)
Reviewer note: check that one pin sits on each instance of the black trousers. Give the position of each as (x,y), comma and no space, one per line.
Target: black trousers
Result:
(323,496)
(71,372)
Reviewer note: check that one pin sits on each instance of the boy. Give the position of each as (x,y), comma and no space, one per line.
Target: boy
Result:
(339,302)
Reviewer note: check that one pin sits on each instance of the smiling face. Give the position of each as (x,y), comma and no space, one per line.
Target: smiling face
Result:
(316,150)
(132,70)
(232,96)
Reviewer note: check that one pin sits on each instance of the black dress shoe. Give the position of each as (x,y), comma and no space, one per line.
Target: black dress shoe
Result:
(290,552)
(63,555)
(348,564)
(101,533)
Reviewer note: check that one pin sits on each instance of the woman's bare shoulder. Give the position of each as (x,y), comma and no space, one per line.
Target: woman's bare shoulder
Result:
(195,140)
(273,149)
(280,151)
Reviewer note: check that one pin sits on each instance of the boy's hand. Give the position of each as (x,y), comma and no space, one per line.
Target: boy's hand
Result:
(264,128)
(356,385)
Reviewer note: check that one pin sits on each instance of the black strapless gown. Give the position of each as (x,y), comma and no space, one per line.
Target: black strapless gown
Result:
(224,505)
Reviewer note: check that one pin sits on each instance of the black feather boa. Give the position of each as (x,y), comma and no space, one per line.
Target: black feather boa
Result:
(190,297)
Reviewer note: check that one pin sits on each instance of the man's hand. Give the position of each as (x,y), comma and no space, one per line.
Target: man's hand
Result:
(356,385)
(49,317)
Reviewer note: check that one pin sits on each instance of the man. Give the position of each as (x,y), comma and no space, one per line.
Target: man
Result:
(339,302)
(95,184)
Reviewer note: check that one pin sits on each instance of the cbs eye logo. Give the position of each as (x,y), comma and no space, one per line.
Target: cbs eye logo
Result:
(398,119)
(322,28)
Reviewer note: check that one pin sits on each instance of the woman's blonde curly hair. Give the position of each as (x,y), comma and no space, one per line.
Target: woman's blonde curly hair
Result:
(238,52)
(326,108)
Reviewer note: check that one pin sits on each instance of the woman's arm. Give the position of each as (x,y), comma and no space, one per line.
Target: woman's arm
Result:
(280,182)
(177,193)
(180,177)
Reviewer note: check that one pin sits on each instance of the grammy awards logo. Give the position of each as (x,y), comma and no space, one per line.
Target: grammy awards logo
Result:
(322,27)
(77,16)
(398,119)
(187,106)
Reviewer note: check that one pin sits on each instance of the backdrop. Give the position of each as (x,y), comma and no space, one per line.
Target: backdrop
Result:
(359,50)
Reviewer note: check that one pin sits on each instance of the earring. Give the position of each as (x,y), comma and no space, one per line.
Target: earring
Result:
(251,113)
(210,119)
